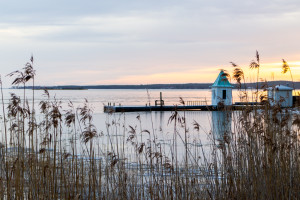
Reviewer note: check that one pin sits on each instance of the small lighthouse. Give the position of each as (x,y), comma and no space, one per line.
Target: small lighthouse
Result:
(221,91)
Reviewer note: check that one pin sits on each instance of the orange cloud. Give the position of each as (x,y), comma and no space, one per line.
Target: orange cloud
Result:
(191,76)
(273,71)
(268,71)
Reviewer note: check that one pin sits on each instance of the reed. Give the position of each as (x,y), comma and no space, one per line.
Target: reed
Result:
(256,158)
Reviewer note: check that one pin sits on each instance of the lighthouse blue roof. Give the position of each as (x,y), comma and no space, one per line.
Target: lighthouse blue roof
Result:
(221,81)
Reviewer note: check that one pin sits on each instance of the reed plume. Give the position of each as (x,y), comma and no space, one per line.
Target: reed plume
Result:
(285,69)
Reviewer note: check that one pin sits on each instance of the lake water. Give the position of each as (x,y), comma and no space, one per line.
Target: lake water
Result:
(115,127)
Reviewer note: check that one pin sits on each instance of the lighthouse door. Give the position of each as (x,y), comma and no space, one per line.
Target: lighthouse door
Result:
(224,94)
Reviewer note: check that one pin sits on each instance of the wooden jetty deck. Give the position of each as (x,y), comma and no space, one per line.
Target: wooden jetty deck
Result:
(238,106)
(108,109)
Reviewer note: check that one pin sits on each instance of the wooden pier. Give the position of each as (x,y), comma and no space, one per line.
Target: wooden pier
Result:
(109,109)
(237,106)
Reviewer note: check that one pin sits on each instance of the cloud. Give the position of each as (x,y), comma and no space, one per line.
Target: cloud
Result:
(139,38)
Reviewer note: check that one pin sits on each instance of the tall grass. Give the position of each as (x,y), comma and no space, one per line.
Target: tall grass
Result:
(253,154)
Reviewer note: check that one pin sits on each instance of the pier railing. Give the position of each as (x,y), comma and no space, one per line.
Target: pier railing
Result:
(196,103)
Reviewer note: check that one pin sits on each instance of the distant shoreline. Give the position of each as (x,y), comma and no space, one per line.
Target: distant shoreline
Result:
(159,86)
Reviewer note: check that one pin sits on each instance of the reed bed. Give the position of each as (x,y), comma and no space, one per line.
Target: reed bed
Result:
(254,154)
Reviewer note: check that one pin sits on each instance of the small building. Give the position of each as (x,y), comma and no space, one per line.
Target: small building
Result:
(221,91)
(282,95)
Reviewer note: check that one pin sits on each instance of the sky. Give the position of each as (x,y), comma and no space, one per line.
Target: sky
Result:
(96,42)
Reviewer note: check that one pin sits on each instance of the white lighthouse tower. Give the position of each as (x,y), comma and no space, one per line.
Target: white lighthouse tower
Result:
(221,91)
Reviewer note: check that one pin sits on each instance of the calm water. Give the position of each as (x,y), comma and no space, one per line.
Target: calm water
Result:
(115,127)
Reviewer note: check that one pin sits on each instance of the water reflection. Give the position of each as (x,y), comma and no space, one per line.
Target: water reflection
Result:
(160,115)
(221,124)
